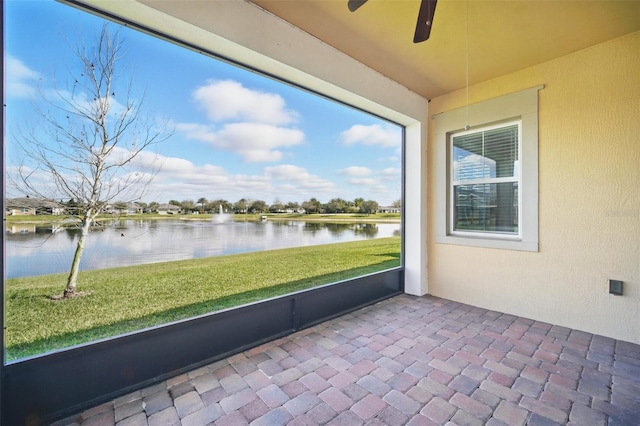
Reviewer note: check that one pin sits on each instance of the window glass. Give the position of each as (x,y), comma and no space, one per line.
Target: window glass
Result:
(501,147)
(469,161)
(486,207)
(485,180)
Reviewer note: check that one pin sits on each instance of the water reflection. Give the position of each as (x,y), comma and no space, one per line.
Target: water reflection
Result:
(369,230)
(37,250)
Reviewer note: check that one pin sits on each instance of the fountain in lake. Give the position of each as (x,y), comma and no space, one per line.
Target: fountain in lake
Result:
(221,217)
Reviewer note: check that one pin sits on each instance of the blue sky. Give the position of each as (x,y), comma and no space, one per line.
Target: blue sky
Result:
(236,134)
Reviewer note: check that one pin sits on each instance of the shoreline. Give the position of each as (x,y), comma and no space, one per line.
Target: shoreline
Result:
(337,217)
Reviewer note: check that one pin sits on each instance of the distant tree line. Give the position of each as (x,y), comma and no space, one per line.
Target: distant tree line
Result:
(249,206)
(246,206)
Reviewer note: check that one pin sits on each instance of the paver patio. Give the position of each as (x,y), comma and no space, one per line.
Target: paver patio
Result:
(406,360)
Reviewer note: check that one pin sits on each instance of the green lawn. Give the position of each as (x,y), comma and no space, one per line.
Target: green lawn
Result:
(131,298)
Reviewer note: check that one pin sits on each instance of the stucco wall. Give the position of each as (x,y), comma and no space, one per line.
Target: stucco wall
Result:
(589,199)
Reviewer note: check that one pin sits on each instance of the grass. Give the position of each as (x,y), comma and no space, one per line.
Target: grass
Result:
(132,298)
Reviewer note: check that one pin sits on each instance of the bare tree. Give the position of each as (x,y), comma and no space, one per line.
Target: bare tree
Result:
(90,143)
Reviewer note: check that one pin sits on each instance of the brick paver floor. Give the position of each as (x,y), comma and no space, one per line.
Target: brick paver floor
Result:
(407,360)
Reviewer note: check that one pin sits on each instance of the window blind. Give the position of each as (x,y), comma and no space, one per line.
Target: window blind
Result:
(485,180)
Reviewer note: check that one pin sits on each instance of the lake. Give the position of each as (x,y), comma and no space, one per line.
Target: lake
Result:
(32,250)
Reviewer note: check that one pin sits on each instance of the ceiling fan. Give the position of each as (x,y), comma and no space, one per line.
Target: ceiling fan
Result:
(425,17)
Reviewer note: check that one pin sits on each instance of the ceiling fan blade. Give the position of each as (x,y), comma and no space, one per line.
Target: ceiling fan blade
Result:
(425,20)
(353,5)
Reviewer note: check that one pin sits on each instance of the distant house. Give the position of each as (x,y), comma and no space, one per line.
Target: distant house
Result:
(32,206)
(21,228)
(298,211)
(169,209)
(133,208)
(389,209)
(110,209)
(130,208)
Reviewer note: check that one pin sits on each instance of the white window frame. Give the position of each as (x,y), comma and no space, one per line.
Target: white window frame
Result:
(453,183)
(520,106)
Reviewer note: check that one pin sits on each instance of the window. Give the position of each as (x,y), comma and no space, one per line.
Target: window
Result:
(276,158)
(486,173)
(485,181)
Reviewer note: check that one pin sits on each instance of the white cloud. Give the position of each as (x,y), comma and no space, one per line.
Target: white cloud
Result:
(227,100)
(363,181)
(21,82)
(254,142)
(20,79)
(254,123)
(356,171)
(298,178)
(188,181)
(37,178)
(175,165)
(372,184)
(287,171)
(200,132)
(391,171)
(391,175)
(181,179)
(385,136)
(257,142)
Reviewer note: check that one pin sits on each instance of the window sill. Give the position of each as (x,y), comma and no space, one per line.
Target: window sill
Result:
(487,242)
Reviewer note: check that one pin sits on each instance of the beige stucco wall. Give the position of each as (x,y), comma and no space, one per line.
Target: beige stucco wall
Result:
(589,199)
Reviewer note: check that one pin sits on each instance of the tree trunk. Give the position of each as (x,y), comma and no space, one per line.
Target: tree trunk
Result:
(70,289)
